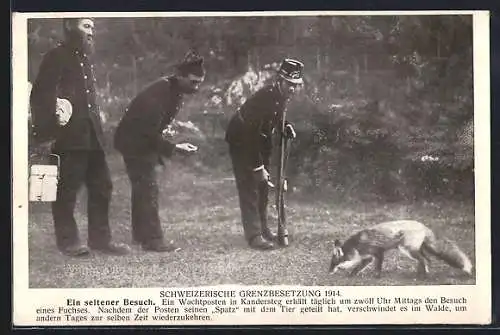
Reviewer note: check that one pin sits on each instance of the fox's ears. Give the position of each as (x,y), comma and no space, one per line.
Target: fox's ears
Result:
(337,243)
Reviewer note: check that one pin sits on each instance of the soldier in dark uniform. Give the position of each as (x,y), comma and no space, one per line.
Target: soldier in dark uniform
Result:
(250,146)
(139,139)
(65,114)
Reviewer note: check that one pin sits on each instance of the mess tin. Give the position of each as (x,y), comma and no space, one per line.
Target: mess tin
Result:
(44,179)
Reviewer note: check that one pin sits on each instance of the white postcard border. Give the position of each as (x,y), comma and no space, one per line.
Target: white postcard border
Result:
(26,300)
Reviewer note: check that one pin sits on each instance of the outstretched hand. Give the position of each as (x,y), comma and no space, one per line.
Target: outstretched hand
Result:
(290,132)
(185,148)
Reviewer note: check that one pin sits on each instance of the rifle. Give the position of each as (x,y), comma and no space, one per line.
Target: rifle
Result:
(282,184)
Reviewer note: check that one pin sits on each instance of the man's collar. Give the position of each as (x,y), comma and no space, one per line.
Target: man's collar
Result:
(277,87)
(174,84)
(75,48)
(277,90)
(72,45)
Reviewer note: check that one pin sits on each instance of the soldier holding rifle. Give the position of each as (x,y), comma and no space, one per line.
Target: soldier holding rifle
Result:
(250,146)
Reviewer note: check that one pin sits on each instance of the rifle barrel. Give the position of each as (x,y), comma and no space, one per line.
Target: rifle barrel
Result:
(280,204)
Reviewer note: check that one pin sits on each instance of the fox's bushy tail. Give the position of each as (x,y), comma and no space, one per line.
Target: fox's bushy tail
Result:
(449,252)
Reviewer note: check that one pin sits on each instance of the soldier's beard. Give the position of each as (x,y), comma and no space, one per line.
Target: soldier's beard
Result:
(84,42)
(88,44)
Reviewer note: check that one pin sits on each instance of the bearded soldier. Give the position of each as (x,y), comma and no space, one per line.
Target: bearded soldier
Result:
(250,146)
(66,115)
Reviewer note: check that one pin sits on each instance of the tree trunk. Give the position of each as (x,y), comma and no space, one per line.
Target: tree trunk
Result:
(438,52)
(356,71)
(318,59)
(134,74)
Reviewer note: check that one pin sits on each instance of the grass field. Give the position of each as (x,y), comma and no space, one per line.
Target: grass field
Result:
(199,211)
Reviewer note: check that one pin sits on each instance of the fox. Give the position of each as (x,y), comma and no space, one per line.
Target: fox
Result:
(412,238)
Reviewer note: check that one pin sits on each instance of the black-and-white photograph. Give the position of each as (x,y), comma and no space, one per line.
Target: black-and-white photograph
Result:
(327,150)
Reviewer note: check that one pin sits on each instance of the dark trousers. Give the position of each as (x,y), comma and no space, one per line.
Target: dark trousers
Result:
(253,195)
(146,226)
(90,168)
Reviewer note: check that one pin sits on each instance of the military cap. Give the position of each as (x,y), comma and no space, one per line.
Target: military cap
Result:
(192,64)
(291,70)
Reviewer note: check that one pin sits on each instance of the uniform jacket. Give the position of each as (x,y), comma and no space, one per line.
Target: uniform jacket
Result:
(66,72)
(251,127)
(140,130)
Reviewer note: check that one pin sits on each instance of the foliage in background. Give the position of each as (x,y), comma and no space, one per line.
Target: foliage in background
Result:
(386,107)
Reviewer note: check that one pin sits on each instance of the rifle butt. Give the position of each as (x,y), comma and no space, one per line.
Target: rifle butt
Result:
(282,229)
(283,239)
